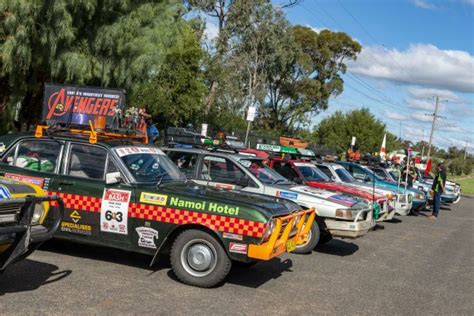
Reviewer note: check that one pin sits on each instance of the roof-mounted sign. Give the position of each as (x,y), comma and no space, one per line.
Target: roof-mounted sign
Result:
(79,105)
(277,149)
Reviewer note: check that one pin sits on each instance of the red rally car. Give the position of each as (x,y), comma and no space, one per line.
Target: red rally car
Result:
(304,172)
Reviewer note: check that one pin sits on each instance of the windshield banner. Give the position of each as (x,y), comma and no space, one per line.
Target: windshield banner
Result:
(79,105)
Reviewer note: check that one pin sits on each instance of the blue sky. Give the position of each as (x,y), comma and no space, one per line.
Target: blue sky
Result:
(412,51)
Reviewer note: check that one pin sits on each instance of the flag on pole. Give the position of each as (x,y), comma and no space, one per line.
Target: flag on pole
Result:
(428,167)
(382,149)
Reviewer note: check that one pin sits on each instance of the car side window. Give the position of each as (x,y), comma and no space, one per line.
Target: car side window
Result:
(380,173)
(219,169)
(35,154)
(86,161)
(326,171)
(286,170)
(358,173)
(186,162)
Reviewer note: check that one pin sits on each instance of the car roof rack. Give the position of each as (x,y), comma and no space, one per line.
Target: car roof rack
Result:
(92,133)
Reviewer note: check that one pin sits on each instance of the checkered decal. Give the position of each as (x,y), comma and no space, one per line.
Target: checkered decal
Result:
(169,215)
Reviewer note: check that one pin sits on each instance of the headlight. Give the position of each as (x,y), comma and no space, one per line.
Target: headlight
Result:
(346,214)
(268,230)
(37,214)
(420,196)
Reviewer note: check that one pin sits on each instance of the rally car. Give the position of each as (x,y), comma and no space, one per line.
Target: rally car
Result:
(400,202)
(305,172)
(337,214)
(23,210)
(365,175)
(123,194)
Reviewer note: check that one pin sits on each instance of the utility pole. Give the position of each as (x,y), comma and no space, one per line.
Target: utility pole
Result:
(435,116)
(400,132)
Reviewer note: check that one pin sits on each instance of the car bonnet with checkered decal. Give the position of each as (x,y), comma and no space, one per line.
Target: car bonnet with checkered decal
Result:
(169,215)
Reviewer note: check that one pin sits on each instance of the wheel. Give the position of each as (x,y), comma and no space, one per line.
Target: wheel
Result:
(313,239)
(457,199)
(198,259)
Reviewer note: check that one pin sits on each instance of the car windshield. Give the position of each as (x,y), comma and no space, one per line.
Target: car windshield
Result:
(263,172)
(311,173)
(344,175)
(149,164)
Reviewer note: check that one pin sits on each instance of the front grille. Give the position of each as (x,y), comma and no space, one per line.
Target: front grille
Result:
(9,212)
(402,198)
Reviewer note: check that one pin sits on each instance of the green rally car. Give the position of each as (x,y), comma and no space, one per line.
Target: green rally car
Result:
(120,193)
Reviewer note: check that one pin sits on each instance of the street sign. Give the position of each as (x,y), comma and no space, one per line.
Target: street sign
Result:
(251,113)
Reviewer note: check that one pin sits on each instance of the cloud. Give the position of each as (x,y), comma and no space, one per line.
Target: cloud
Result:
(424,4)
(471,2)
(420,64)
(395,116)
(421,117)
(429,93)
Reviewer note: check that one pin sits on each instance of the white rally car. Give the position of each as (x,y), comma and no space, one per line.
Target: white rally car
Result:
(401,202)
(338,215)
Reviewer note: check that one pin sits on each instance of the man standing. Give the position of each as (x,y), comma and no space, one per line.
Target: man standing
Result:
(438,188)
(152,132)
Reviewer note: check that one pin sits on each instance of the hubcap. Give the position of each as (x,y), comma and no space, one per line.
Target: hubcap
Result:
(199,257)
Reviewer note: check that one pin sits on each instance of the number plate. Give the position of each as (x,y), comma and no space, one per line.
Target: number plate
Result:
(290,246)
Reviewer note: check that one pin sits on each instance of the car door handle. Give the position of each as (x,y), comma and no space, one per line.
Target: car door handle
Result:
(66,183)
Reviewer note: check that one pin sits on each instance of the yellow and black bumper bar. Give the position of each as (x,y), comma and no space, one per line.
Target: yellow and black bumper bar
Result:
(285,236)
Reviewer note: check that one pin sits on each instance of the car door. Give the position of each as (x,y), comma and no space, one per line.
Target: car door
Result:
(33,160)
(94,211)
(223,173)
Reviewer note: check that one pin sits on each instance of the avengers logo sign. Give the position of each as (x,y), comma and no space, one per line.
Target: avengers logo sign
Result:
(78,105)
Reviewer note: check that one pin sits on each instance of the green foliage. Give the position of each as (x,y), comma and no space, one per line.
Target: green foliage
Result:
(113,43)
(175,94)
(337,130)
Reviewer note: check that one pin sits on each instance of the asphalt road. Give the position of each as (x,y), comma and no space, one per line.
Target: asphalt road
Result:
(413,266)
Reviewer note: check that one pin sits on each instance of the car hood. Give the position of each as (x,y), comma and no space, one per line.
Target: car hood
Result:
(337,198)
(332,186)
(269,206)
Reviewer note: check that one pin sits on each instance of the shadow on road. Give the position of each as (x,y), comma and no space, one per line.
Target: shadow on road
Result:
(260,273)
(104,254)
(29,275)
(338,247)
(394,221)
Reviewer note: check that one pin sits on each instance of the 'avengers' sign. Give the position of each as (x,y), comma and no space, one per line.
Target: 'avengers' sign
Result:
(78,105)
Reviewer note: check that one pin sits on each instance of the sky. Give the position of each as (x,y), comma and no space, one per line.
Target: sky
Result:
(413,51)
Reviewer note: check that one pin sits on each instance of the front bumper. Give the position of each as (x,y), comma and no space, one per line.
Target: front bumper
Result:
(24,237)
(402,204)
(284,237)
(350,229)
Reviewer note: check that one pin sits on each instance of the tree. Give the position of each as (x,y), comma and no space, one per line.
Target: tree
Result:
(337,131)
(175,94)
(303,78)
(118,43)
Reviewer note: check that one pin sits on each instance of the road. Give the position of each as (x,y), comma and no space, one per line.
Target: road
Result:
(413,266)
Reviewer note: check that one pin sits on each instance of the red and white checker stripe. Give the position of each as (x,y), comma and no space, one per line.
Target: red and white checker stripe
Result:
(169,215)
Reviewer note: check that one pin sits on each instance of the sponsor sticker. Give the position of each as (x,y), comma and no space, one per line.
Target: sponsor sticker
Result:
(75,226)
(238,248)
(4,192)
(287,195)
(147,237)
(125,151)
(232,236)
(224,186)
(153,198)
(114,211)
(26,179)
(342,199)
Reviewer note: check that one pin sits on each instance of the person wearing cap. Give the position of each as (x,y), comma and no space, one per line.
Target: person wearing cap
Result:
(439,183)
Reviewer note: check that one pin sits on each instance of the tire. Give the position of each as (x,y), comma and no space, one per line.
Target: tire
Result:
(210,265)
(313,240)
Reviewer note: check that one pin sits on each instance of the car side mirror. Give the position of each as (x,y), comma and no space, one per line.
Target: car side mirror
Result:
(298,180)
(113,178)
(243,182)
